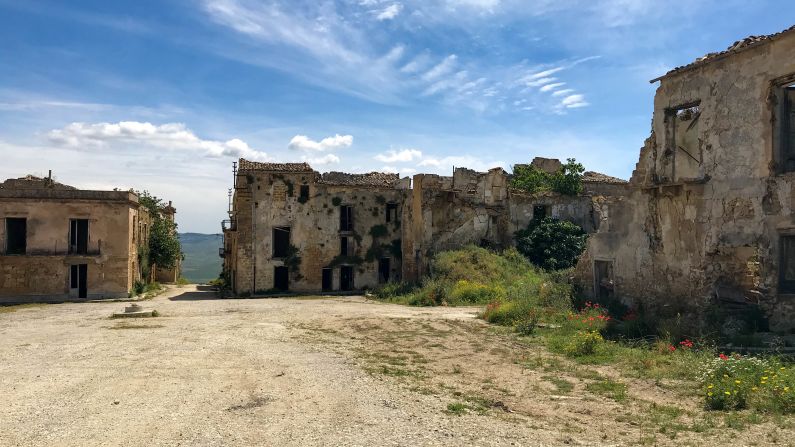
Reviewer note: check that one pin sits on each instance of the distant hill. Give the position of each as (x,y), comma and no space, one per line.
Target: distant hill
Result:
(202,262)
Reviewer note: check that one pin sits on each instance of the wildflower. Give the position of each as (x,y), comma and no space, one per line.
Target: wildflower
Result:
(727,393)
(723,357)
(709,394)
(764,378)
(671,348)
(754,389)
(710,386)
(737,382)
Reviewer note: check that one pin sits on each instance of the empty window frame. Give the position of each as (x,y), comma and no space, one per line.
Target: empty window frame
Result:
(78,236)
(682,157)
(303,194)
(346,218)
(784,131)
(16,236)
(786,282)
(391,212)
(281,242)
(343,246)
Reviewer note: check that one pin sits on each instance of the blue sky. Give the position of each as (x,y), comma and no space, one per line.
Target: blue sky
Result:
(164,95)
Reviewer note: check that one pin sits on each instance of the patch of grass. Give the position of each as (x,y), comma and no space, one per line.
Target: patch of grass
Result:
(457,408)
(562,386)
(608,388)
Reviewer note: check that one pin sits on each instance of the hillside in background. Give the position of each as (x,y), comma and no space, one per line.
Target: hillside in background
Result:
(202,262)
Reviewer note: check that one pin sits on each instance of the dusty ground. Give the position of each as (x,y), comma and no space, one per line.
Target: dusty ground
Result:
(337,371)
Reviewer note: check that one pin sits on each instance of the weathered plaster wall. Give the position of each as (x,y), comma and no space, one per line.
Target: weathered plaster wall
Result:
(678,243)
(44,271)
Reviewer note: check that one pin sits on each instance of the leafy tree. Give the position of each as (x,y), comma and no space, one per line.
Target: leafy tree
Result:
(164,249)
(551,243)
(567,180)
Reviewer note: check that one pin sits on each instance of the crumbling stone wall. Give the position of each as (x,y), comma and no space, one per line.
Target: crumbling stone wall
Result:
(706,233)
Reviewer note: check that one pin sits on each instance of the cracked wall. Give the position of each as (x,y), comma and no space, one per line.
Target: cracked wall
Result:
(710,236)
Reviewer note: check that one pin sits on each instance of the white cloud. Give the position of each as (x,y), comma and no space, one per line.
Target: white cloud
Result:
(304,143)
(390,12)
(539,82)
(562,92)
(549,87)
(324,160)
(573,101)
(404,155)
(445,165)
(440,69)
(126,134)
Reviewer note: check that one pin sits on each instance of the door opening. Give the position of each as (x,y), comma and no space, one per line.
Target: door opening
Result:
(78,279)
(346,277)
(604,286)
(328,279)
(383,270)
(281,279)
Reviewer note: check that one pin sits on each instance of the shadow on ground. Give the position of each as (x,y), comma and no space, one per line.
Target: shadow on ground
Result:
(201,293)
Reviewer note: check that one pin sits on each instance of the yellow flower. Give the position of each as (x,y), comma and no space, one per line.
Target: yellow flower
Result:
(709,394)
(725,376)
(782,368)
(710,386)
(754,389)
(727,393)
(786,388)
(764,378)
(737,382)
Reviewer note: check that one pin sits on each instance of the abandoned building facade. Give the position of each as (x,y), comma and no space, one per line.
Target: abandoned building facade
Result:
(708,218)
(292,228)
(63,243)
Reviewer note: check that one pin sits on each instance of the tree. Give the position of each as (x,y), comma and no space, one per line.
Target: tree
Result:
(551,243)
(164,250)
(567,180)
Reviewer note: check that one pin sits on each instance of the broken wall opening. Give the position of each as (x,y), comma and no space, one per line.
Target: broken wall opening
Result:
(346,278)
(327,279)
(78,236)
(683,155)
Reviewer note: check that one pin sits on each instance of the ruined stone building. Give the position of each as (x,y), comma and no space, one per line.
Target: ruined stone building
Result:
(291,228)
(58,242)
(708,219)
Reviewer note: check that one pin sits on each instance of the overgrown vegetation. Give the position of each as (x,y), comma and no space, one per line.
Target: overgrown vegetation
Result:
(567,180)
(541,307)
(551,243)
(163,250)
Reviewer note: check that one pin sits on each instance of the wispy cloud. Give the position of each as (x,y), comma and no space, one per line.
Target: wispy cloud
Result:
(128,135)
(390,12)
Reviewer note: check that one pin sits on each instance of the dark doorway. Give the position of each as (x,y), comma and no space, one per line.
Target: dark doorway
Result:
(383,270)
(603,279)
(78,236)
(281,278)
(346,277)
(78,279)
(16,236)
(328,283)
(303,193)
(281,242)
(346,218)
(540,212)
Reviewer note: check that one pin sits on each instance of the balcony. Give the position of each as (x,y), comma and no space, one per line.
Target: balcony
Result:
(91,249)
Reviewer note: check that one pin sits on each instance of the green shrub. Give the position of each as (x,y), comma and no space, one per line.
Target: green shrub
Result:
(393,289)
(583,343)
(139,287)
(466,292)
(551,243)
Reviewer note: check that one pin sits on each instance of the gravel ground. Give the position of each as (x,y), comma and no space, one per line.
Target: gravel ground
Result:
(298,372)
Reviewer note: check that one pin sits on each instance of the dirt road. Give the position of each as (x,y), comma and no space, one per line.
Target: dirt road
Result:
(336,371)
